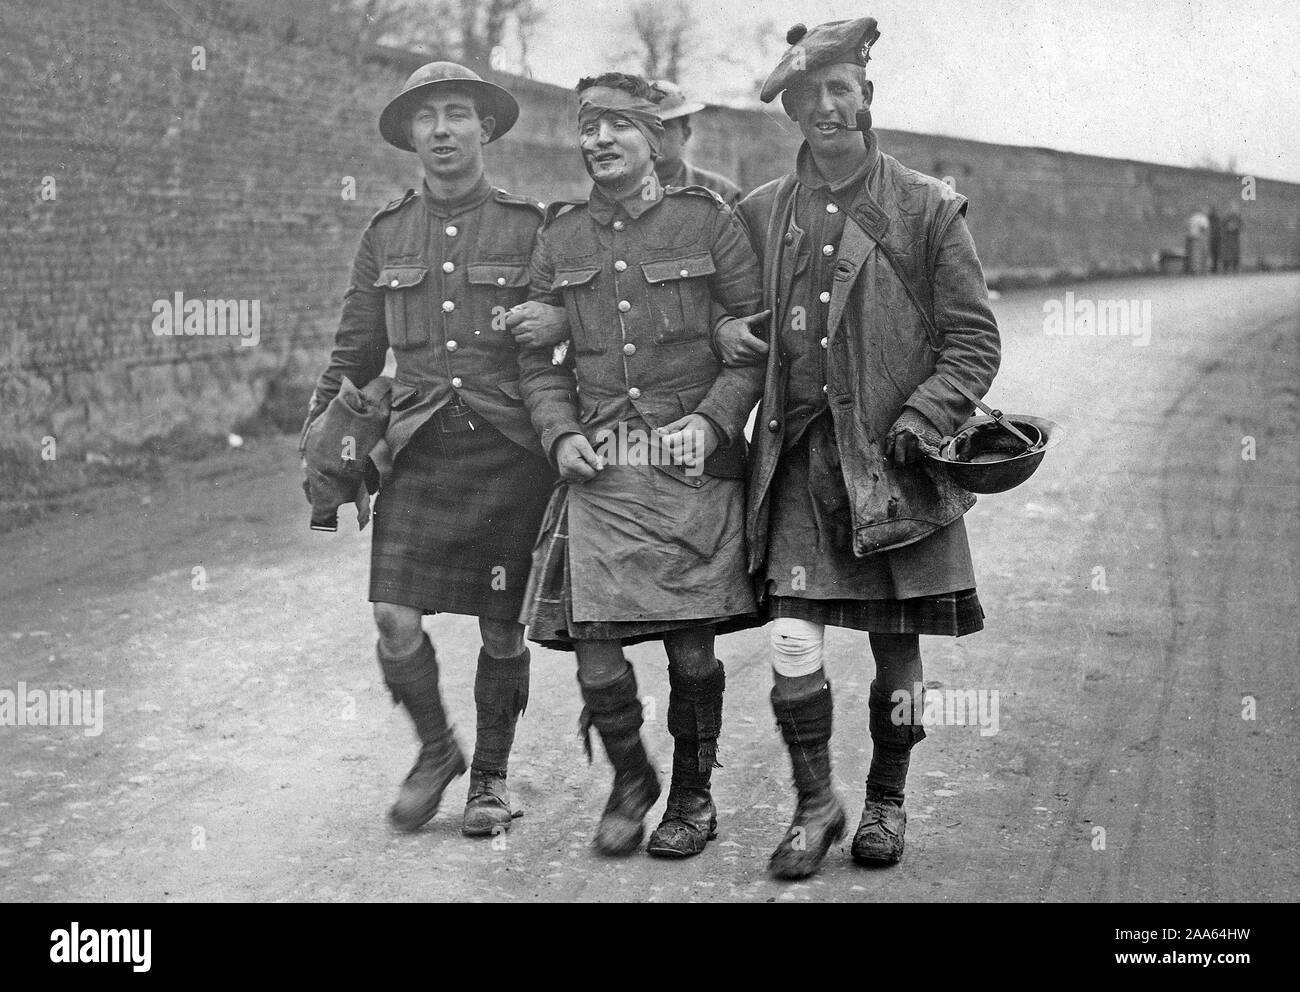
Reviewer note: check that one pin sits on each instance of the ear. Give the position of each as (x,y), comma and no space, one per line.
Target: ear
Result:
(868,90)
(487,125)
(686,130)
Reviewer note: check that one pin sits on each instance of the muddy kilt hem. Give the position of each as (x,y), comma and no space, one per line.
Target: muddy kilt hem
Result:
(456,523)
(951,614)
(548,606)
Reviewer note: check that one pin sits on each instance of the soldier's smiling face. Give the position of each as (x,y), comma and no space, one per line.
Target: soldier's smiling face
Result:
(824,103)
(615,152)
(449,135)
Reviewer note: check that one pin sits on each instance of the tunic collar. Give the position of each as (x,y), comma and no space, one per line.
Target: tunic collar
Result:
(604,206)
(457,205)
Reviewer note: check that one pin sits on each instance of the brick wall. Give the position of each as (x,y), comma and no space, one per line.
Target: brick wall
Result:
(225,183)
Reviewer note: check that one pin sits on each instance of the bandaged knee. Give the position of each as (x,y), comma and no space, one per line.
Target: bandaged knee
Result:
(796,647)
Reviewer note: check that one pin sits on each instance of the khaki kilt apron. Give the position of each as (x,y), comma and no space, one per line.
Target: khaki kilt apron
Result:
(634,553)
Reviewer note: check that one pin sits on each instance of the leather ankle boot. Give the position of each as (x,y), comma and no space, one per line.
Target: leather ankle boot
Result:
(819,818)
(500,696)
(413,681)
(615,711)
(880,834)
(690,820)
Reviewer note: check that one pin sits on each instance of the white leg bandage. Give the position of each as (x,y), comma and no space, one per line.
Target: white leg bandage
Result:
(796,646)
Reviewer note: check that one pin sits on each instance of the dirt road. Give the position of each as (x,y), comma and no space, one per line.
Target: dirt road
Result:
(1141,637)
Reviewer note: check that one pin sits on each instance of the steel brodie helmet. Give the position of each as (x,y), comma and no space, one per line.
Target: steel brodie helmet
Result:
(492,100)
(984,457)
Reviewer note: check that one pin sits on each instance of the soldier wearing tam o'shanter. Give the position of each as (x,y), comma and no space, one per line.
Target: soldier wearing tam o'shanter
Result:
(880,312)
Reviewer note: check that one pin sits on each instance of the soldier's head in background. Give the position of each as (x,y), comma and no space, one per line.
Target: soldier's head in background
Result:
(675,111)
(446,114)
(824,86)
(619,130)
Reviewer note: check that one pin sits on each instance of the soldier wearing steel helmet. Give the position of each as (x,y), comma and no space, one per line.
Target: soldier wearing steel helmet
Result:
(464,482)
(881,320)
(671,166)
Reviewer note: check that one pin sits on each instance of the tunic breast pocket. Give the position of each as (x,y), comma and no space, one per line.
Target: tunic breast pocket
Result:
(406,303)
(495,287)
(678,292)
(587,325)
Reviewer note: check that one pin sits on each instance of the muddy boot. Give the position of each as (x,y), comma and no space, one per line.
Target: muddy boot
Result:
(879,837)
(819,819)
(615,711)
(500,696)
(487,809)
(413,682)
(695,721)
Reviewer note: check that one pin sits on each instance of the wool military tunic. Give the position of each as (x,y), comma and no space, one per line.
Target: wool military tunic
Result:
(433,280)
(649,546)
(459,510)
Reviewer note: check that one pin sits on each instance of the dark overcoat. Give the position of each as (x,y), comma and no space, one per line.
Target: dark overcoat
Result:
(904,231)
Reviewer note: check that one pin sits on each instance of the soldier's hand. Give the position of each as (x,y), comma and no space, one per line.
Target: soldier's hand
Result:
(911,436)
(736,342)
(362,502)
(576,459)
(688,440)
(537,325)
(306,480)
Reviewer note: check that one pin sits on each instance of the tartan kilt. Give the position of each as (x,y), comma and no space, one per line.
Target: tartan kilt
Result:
(548,602)
(456,521)
(947,613)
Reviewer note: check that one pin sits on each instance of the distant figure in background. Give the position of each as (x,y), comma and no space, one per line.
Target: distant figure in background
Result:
(1231,247)
(1216,239)
(673,170)
(1198,226)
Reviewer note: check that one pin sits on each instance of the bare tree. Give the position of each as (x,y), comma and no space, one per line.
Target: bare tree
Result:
(663,30)
(347,26)
(527,18)
(477,27)
(375,20)
(484,25)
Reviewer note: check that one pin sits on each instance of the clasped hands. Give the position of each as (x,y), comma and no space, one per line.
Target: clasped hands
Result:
(686,441)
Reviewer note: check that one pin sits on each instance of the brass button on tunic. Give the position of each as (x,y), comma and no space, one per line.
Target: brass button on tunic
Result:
(647,546)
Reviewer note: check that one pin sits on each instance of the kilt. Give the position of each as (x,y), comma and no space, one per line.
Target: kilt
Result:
(946,613)
(548,604)
(923,588)
(457,519)
(810,537)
